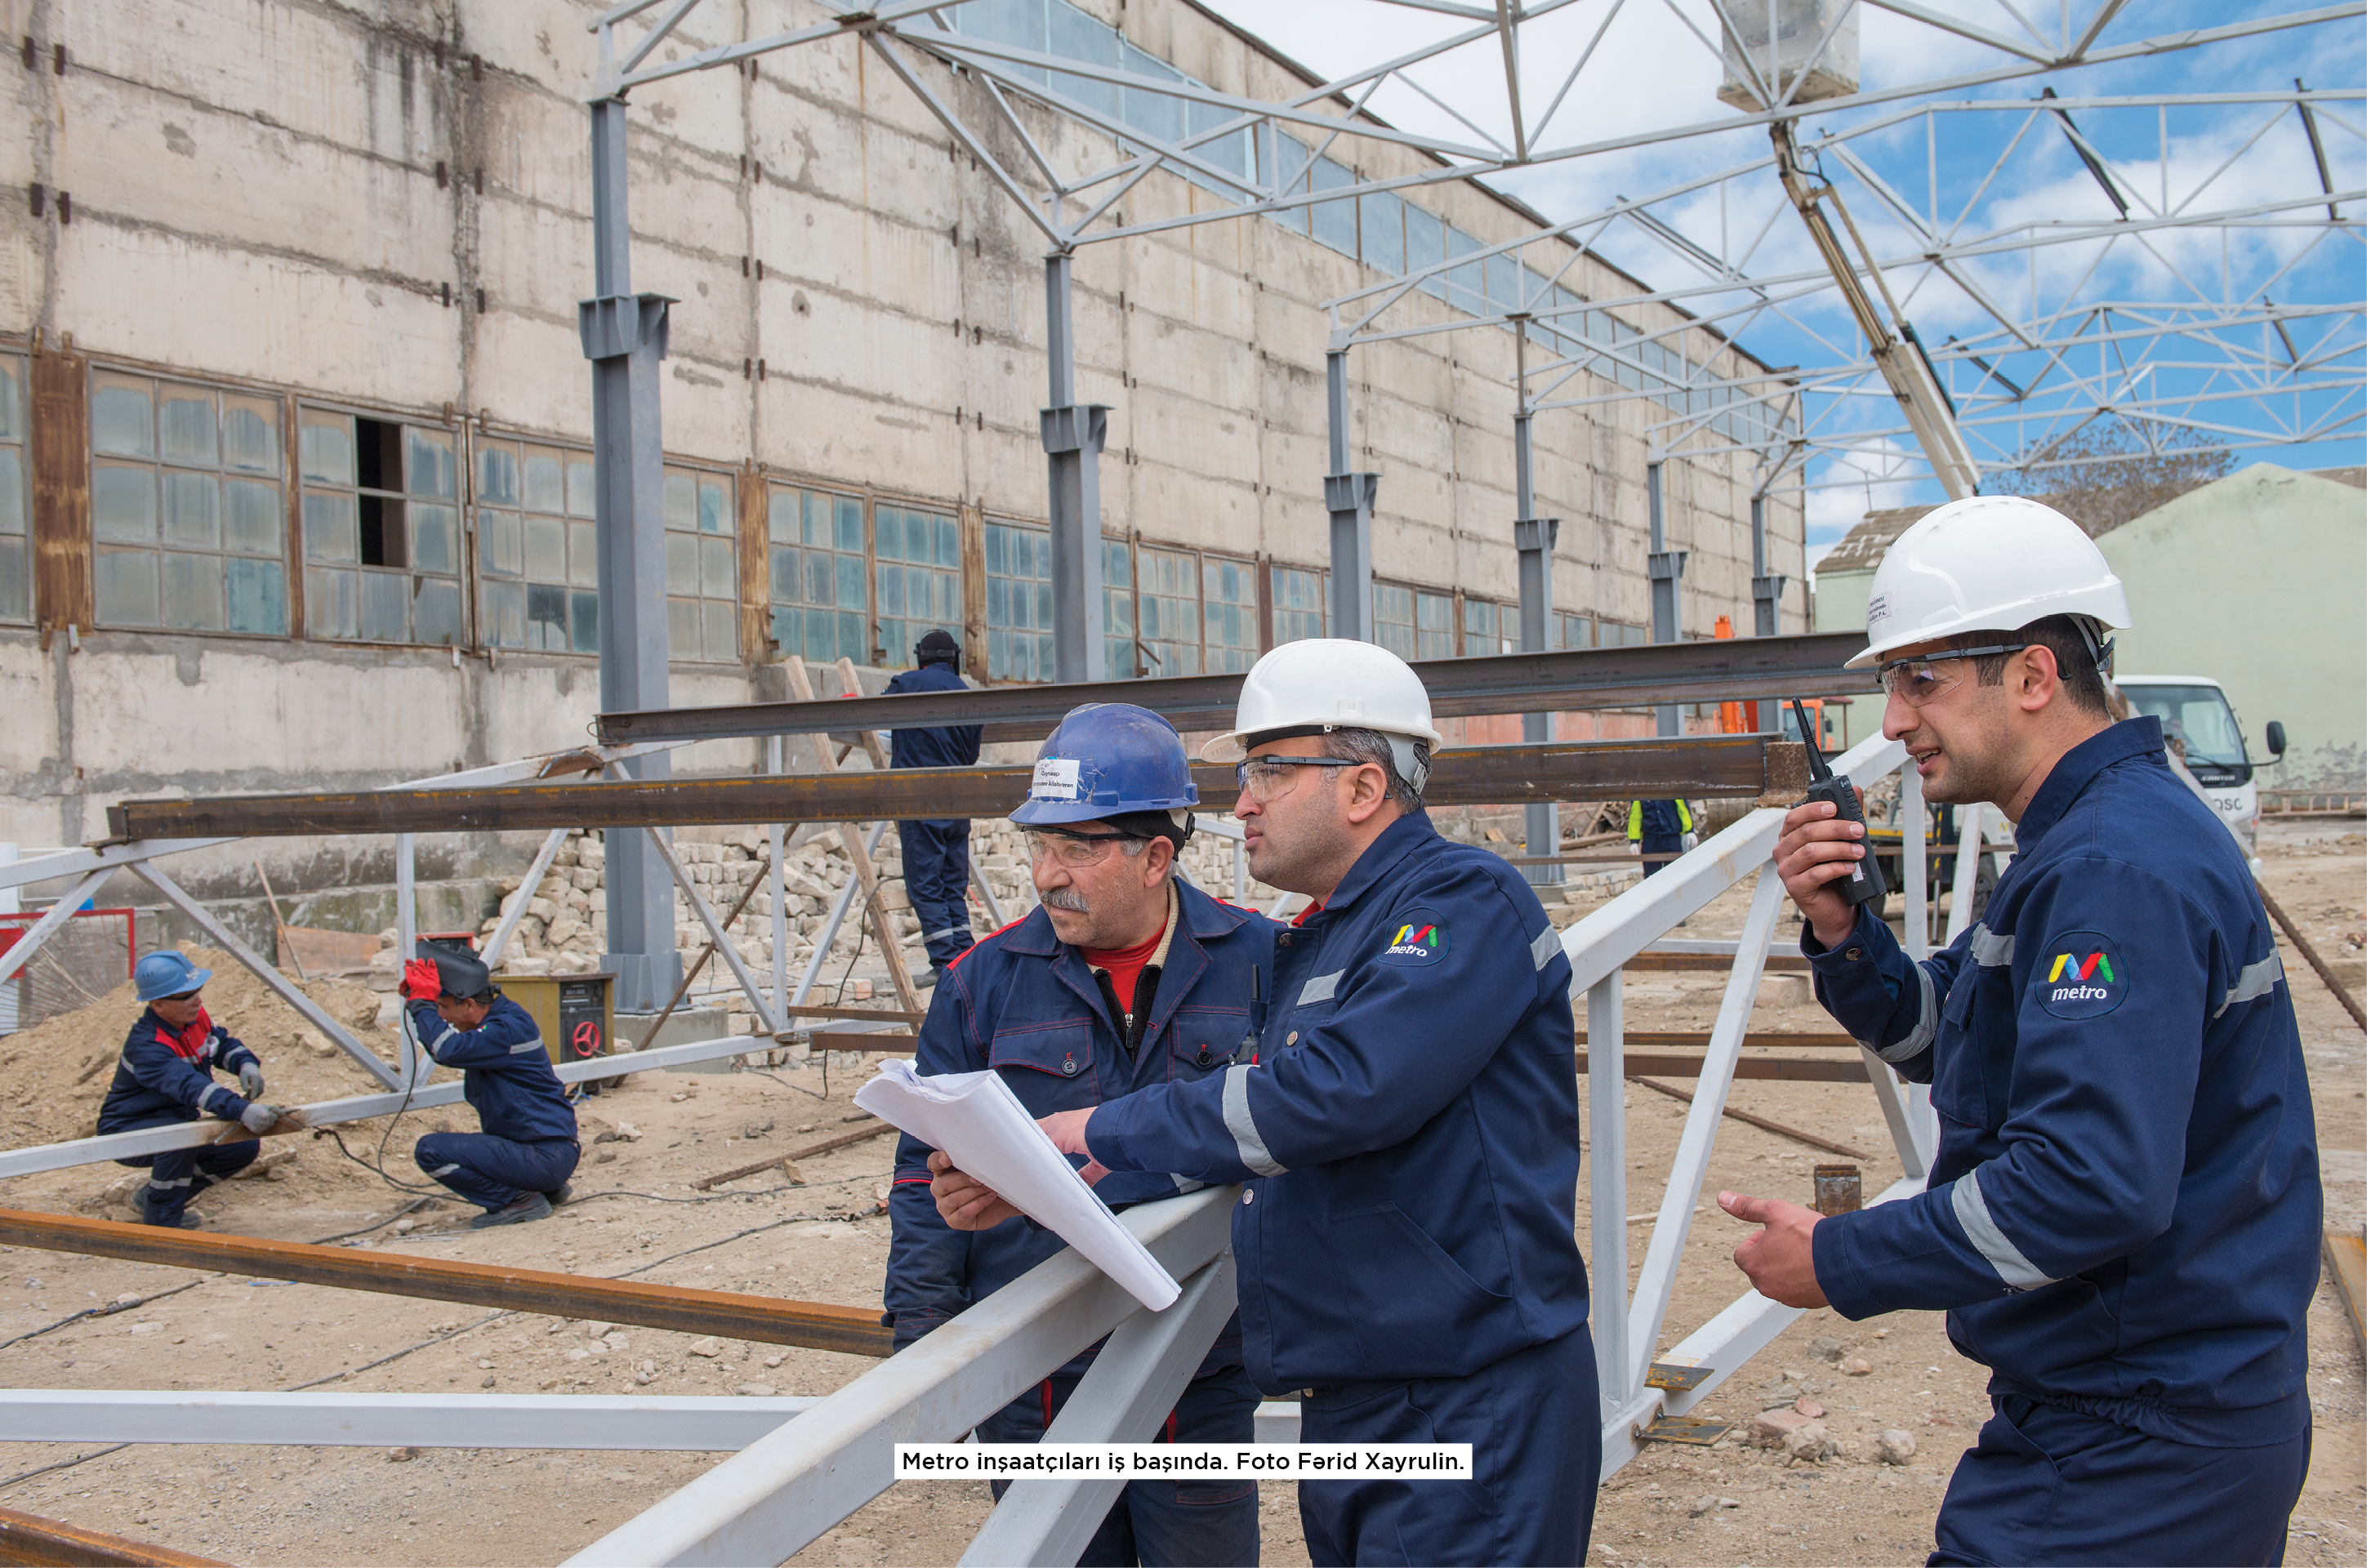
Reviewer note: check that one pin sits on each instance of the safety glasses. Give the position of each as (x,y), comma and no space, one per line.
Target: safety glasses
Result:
(1073,850)
(1261,777)
(1919,681)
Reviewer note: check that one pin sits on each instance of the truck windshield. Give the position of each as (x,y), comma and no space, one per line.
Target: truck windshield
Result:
(2198,714)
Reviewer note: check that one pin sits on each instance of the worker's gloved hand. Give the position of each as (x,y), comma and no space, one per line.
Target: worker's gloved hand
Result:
(259,1117)
(250,1081)
(421,982)
(1690,843)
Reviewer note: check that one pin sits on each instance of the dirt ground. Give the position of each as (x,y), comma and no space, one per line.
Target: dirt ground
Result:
(824,1240)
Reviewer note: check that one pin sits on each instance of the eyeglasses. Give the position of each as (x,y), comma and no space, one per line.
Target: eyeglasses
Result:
(185,996)
(1918,681)
(1072,849)
(1260,777)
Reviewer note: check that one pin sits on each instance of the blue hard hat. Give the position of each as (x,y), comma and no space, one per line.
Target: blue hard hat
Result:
(167,974)
(1106,759)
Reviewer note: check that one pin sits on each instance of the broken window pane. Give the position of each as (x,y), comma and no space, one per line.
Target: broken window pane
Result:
(545,614)
(192,515)
(258,596)
(437,611)
(331,604)
(123,506)
(125,583)
(386,607)
(250,433)
(251,517)
(543,488)
(327,448)
(193,593)
(714,515)
(430,471)
(434,539)
(331,533)
(184,426)
(498,546)
(121,421)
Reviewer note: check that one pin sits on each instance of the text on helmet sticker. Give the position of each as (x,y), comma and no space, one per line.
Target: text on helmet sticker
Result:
(1056,779)
(1877,610)
(2081,975)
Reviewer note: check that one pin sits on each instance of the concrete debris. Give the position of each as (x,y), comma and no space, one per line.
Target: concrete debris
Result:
(1825,1348)
(401,1456)
(1810,1444)
(1856,1367)
(1770,1427)
(710,1347)
(755,1390)
(1809,1407)
(1711,1505)
(756,1128)
(1895,1447)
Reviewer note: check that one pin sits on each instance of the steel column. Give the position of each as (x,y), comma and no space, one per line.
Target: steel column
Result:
(1666,567)
(1074,434)
(1766,602)
(1606,1123)
(1534,537)
(624,336)
(1348,496)
(776,879)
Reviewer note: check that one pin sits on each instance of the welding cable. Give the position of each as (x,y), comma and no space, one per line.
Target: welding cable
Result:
(110,1310)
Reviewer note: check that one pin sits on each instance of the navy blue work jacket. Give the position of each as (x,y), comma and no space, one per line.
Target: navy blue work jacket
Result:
(505,1071)
(937,746)
(1025,1004)
(154,1084)
(1408,1133)
(2123,1215)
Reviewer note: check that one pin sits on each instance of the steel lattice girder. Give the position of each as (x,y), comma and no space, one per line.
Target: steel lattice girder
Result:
(1720,670)
(1700,767)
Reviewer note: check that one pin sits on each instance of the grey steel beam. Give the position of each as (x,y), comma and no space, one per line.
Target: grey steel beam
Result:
(1550,681)
(625,337)
(1348,496)
(1766,599)
(1533,538)
(1666,567)
(1725,765)
(1074,434)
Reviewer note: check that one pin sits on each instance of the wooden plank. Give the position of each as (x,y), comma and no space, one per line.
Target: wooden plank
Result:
(54,1543)
(1710,962)
(1756,1041)
(61,459)
(814,1324)
(1764,1123)
(2346,1261)
(1785,1069)
(865,874)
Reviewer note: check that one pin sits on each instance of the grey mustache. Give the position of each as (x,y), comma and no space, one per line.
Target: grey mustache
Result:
(1067,899)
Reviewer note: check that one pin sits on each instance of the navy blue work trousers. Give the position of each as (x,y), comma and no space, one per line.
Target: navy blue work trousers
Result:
(1655,844)
(491,1172)
(1161,1524)
(936,878)
(2047,1485)
(178,1175)
(1535,1424)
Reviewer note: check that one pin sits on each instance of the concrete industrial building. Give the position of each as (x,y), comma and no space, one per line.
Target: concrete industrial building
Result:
(294,472)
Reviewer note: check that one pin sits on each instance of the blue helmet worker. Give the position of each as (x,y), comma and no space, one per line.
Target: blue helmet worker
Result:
(1404,1127)
(1124,977)
(2123,1217)
(937,853)
(516,1167)
(165,1074)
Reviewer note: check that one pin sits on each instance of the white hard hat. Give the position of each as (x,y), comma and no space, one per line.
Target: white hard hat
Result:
(1987,563)
(1329,684)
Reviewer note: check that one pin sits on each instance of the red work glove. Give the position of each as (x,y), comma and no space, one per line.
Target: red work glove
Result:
(421,982)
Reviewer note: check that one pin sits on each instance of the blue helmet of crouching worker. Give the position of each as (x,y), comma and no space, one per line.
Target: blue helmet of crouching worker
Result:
(1110,760)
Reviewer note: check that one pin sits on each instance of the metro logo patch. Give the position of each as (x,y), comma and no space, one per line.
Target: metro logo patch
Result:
(1417,937)
(2083,976)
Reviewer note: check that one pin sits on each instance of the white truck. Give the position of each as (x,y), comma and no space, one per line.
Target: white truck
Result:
(2195,710)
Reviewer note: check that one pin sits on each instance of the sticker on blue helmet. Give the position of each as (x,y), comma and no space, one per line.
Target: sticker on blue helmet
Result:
(1056,779)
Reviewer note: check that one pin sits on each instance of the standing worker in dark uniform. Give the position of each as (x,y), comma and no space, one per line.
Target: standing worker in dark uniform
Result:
(166,1075)
(2122,1218)
(1126,975)
(1659,827)
(937,853)
(516,1168)
(1406,1131)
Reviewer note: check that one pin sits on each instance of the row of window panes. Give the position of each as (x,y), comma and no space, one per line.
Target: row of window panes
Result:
(701,566)
(15,549)
(538,566)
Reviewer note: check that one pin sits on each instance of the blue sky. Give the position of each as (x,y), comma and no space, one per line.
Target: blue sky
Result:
(1649,72)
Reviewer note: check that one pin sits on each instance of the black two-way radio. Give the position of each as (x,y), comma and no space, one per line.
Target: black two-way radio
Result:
(1863,884)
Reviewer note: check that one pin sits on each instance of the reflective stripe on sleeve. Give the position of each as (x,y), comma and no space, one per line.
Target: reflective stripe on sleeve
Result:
(1184,1183)
(1547,944)
(206,1099)
(1246,1141)
(429,1045)
(1321,988)
(1991,950)
(523,1046)
(1926,1027)
(1972,1214)
(2254,981)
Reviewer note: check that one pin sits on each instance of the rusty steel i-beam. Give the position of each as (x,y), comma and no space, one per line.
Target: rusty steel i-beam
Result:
(1755,766)
(1721,670)
(814,1325)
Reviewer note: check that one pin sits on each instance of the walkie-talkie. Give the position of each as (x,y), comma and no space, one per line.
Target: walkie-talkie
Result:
(1863,884)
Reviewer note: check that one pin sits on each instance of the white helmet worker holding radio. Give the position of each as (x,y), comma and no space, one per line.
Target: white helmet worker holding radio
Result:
(1404,1123)
(2122,1220)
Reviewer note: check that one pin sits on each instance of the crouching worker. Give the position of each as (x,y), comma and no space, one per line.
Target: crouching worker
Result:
(517,1168)
(166,1075)
(1125,976)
